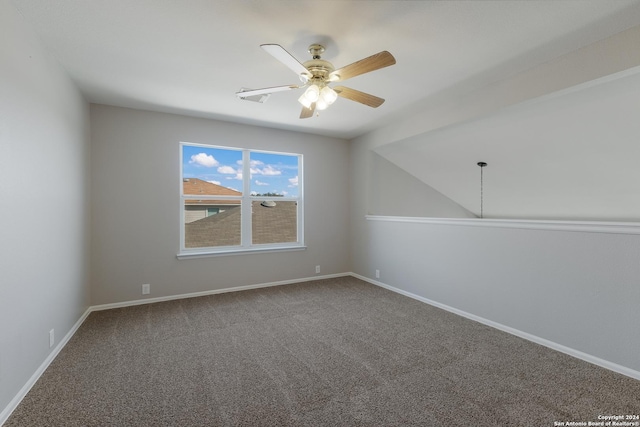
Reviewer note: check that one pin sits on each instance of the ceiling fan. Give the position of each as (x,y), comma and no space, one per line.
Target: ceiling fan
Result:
(317,74)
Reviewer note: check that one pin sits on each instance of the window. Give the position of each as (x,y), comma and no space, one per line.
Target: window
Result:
(237,200)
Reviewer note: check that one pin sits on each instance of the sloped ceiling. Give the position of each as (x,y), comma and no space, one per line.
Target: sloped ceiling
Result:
(190,57)
(559,145)
(560,140)
(574,155)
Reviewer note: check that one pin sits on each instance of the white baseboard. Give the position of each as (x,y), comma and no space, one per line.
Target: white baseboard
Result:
(527,336)
(211,292)
(6,412)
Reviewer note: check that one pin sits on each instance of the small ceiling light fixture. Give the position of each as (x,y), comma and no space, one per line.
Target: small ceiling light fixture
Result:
(482,166)
(319,93)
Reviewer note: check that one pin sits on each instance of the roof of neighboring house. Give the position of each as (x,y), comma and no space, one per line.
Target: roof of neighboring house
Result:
(276,224)
(222,229)
(196,186)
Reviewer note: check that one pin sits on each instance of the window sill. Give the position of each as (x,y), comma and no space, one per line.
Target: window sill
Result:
(210,253)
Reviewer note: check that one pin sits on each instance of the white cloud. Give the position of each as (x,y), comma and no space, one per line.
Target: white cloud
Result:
(266,171)
(252,163)
(215,182)
(270,171)
(227,170)
(261,183)
(203,159)
(293,181)
(284,193)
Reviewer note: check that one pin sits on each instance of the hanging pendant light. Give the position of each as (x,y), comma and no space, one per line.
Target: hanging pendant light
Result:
(482,166)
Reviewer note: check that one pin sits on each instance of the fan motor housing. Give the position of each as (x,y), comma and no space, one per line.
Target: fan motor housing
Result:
(319,68)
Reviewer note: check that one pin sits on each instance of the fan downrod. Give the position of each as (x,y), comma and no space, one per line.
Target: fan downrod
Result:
(316,50)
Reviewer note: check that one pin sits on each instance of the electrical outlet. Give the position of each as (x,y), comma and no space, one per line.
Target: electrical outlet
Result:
(317,269)
(52,338)
(146,288)
(377,274)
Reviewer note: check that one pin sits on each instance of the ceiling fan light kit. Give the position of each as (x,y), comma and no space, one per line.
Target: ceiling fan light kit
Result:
(322,97)
(305,101)
(312,93)
(316,75)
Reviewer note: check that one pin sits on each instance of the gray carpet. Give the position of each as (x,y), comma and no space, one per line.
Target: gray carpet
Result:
(337,352)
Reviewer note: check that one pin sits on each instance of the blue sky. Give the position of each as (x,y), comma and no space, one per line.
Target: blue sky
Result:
(270,173)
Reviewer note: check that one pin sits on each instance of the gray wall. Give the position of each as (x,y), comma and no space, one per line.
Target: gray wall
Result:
(393,191)
(579,290)
(44,149)
(135,206)
(117,199)
(576,289)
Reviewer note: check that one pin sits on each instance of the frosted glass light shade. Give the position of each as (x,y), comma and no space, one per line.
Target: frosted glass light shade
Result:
(312,93)
(329,95)
(304,101)
(321,104)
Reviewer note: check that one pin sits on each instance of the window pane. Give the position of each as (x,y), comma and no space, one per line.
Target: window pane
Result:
(217,215)
(274,222)
(211,223)
(274,174)
(211,171)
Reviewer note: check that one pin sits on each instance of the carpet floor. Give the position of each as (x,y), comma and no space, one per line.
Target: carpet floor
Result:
(337,352)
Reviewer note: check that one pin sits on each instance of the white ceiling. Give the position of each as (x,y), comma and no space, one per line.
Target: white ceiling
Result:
(191,56)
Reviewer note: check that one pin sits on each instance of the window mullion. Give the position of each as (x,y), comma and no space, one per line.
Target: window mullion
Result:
(219,219)
(246,199)
(300,210)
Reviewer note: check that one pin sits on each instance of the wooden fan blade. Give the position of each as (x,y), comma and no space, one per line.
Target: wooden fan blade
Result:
(361,97)
(307,112)
(286,58)
(371,63)
(252,92)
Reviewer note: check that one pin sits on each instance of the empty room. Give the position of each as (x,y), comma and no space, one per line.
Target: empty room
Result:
(319,213)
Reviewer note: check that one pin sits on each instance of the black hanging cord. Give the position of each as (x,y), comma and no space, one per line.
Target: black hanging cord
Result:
(482,165)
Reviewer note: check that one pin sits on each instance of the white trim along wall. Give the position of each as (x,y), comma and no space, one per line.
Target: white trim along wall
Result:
(525,224)
(4,415)
(573,285)
(44,162)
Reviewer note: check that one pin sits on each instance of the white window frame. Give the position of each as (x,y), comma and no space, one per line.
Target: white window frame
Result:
(246,245)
